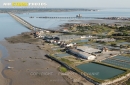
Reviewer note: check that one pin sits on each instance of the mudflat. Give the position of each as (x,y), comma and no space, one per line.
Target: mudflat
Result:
(3,81)
(30,66)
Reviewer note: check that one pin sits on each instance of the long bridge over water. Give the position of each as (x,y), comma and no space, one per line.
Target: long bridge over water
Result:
(28,25)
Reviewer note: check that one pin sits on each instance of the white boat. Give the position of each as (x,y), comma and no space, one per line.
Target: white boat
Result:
(10,60)
(83,37)
(10,67)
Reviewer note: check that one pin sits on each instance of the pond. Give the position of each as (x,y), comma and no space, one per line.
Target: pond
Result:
(80,41)
(62,55)
(120,61)
(100,71)
(123,43)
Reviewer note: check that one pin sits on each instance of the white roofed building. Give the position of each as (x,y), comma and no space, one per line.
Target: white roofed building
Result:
(83,55)
(86,56)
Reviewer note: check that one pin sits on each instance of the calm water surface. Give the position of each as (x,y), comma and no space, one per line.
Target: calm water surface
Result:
(54,23)
(120,61)
(9,27)
(100,71)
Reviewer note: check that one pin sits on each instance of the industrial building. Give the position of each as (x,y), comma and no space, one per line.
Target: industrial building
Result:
(81,54)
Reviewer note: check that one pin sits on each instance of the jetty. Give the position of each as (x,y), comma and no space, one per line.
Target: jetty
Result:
(67,17)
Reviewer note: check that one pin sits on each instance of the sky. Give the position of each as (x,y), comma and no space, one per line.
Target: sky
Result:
(77,3)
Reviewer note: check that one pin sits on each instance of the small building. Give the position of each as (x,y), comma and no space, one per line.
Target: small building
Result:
(104,49)
(65,30)
(78,16)
(48,39)
(70,45)
(39,34)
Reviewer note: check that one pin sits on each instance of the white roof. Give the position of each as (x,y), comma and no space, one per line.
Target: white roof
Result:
(85,54)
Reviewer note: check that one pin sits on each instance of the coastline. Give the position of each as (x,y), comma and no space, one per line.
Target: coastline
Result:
(3,81)
(32,66)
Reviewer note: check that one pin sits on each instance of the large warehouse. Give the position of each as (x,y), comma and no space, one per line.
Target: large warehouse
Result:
(83,55)
(86,56)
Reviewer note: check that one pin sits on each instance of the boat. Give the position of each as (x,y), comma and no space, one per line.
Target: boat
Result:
(83,37)
(10,60)
(10,67)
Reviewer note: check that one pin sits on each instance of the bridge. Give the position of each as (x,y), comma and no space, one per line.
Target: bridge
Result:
(28,25)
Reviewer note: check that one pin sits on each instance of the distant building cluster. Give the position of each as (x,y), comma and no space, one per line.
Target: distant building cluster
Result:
(78,16)
(117,18)
(85,52)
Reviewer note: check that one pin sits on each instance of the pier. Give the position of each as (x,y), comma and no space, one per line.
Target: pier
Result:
(28,25)
(67,17)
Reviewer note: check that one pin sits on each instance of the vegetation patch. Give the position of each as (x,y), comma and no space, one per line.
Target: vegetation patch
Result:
(22,38)
(66,61)
(63,69)
(128,82)
(23,61)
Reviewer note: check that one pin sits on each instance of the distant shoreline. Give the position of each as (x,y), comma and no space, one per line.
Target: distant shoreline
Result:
(24,10)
